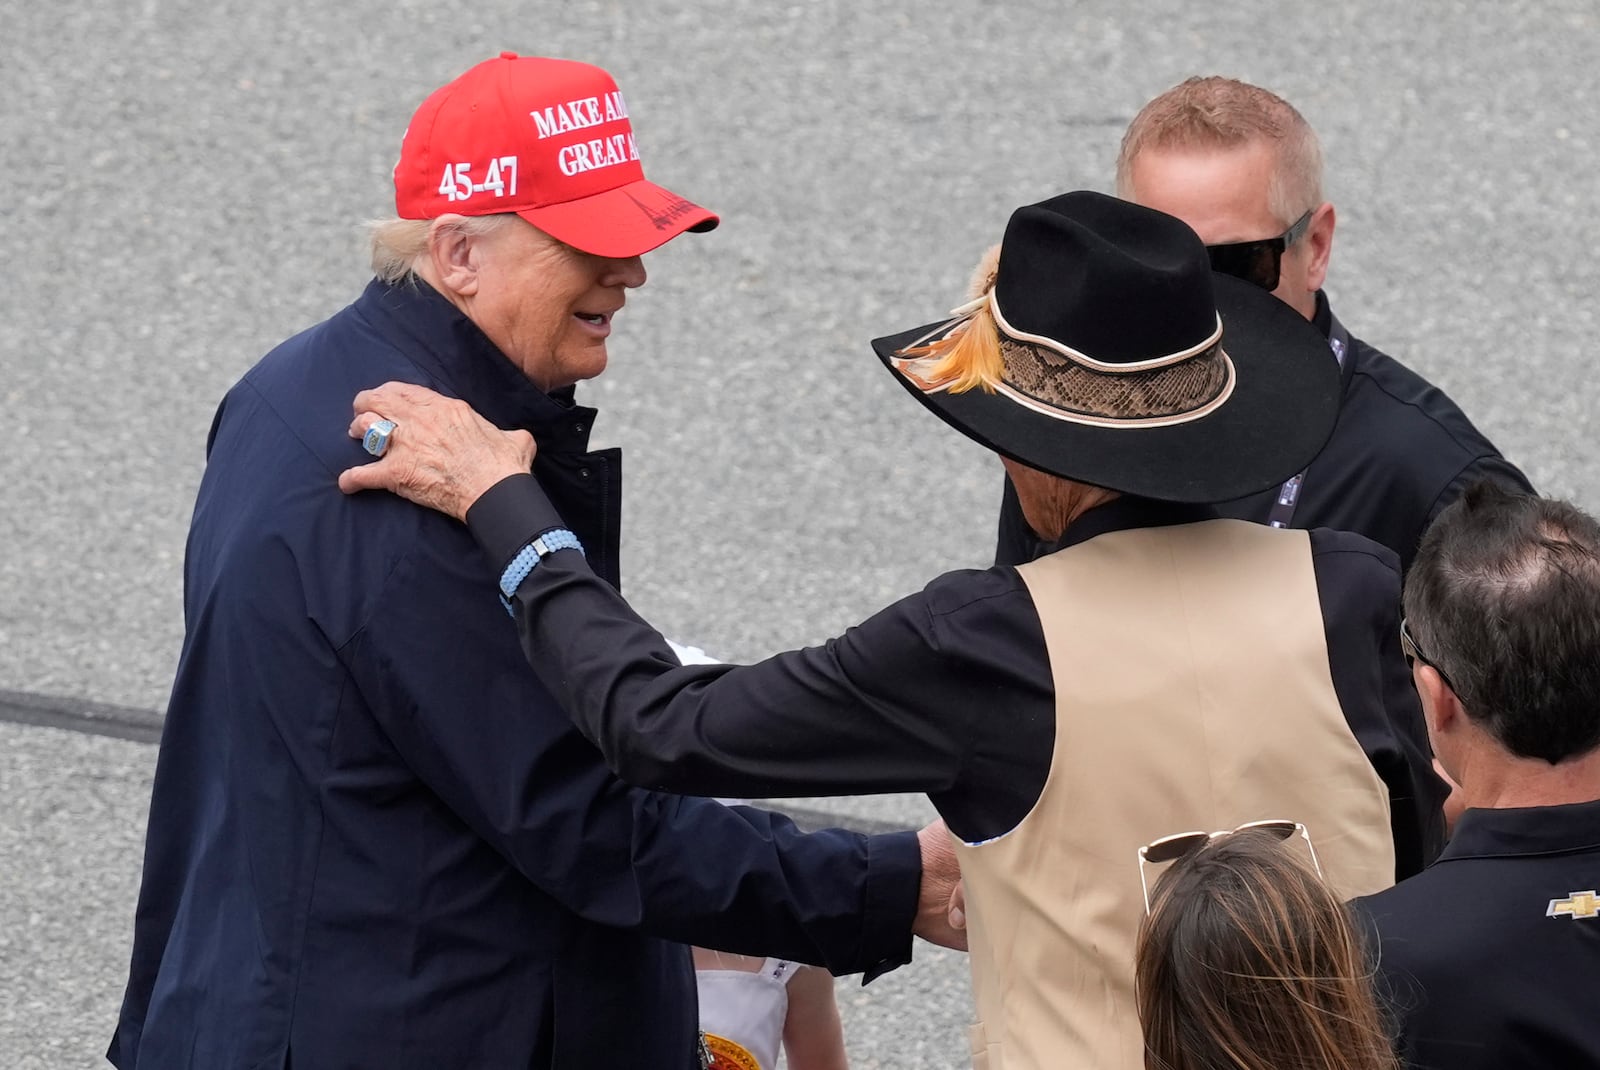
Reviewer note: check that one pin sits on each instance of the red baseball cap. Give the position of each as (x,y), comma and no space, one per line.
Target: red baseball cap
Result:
(548,139)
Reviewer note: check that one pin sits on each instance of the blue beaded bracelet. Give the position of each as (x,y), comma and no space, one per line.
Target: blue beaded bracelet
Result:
(529,557)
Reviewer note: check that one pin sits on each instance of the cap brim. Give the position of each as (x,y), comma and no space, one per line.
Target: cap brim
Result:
(627,221)
(1281,412)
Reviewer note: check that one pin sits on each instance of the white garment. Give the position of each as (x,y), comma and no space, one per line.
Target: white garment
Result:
(691,655)
(741,1011)
(742,1014)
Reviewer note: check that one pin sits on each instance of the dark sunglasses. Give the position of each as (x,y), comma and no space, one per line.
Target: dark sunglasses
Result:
(1408,646)
(1182,844)
(1260,262)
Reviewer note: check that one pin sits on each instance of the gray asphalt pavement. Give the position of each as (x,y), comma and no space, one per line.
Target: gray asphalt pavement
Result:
(185,184)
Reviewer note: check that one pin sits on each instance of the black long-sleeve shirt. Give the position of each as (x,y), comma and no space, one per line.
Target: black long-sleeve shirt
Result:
(948,691)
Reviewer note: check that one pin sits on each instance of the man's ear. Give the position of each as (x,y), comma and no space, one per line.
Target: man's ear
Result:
(1319,246)
(1440,707)
(455,257)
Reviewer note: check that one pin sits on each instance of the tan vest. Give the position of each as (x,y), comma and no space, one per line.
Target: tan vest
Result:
(1192,693)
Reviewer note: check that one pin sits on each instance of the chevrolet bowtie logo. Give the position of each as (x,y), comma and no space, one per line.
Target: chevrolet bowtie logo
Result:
(1576,905)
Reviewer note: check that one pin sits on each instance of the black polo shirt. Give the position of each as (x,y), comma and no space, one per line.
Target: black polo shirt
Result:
(1400,452)
(1489,958)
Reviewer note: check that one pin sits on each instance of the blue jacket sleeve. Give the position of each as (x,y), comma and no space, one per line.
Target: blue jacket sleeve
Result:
(439,666)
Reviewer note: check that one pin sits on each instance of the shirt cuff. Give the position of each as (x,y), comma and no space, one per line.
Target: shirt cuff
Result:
(510,515)
(894,879)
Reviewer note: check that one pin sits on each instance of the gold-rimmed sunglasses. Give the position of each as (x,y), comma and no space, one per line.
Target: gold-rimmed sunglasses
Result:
(1181,844)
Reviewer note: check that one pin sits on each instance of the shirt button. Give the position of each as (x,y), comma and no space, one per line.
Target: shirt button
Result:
(583,473)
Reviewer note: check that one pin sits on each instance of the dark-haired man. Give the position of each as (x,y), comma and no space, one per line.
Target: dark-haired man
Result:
(1243,168)
(1489,956)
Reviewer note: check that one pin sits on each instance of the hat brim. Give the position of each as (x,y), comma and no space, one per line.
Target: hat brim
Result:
(626,221)
(1279,416)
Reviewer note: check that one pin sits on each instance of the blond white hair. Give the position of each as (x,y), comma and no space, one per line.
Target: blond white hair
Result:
(398,245)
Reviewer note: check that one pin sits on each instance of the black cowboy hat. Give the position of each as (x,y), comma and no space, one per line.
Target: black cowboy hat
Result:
(1128,363)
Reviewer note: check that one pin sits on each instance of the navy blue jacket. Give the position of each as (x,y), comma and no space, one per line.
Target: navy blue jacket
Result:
(375,840)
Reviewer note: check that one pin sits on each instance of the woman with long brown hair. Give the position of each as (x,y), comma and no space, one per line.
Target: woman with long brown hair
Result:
(1247,960)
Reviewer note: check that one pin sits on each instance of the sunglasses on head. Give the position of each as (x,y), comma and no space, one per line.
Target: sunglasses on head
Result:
(1260,262)
(1182,844)
(1408,646)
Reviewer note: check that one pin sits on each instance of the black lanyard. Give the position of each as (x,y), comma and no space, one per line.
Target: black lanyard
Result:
(1289,494)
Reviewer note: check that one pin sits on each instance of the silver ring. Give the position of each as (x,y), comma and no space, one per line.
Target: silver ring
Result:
(376,440)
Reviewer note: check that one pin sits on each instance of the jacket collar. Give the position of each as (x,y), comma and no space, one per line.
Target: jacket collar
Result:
(440,339)
(1322,318)
(1532,830)
(1126,513)
(1325,321)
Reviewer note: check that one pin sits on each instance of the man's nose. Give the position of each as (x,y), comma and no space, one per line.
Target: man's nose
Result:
(627,272)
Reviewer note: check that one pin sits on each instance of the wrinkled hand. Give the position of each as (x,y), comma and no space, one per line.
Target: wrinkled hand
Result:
(441,453)
(941,882)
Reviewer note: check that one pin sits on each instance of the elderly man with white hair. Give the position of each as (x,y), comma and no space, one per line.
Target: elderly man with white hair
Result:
(375,838)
